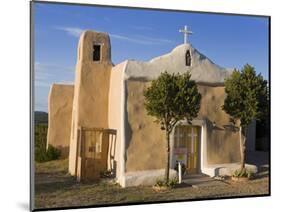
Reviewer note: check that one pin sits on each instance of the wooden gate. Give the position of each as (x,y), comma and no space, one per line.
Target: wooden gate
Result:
(93,146)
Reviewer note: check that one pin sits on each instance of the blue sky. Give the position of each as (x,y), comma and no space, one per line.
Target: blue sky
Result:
(229,41)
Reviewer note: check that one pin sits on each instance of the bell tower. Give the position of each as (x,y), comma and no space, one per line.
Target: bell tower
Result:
(92,78)
(94,47)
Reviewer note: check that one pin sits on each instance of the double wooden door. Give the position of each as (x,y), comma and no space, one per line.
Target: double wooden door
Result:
(186,147)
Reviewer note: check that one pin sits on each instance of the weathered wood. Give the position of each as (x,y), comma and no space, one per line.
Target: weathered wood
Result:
(91,164)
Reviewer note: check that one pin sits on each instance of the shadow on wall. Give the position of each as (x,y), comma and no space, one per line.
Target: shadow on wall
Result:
(231,128)
(128,129)
(217,171)
(222,143)
(64,151)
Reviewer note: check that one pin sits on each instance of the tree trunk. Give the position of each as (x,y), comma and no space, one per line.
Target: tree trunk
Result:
(167,170)
(243,146)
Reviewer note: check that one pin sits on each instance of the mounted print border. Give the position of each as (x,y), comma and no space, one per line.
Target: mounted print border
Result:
(128,108)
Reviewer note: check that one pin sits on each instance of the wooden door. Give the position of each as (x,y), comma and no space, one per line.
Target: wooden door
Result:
(186,142)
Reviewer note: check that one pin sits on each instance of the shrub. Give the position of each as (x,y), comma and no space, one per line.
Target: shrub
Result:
(43,155)
(173,182)
(40,155)
(242,173)
(52,153)
(162,183)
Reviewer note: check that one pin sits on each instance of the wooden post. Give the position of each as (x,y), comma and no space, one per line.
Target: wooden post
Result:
(179,168)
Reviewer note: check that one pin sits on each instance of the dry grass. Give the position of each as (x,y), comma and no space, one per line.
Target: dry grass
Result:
(55,188)
(55,166)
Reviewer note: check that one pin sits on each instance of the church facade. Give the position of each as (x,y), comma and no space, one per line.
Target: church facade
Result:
(102,125)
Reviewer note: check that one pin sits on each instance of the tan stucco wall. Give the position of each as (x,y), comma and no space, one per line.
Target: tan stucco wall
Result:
(91,88)
(114,114)
(60,111)
(145,147)
(222,143)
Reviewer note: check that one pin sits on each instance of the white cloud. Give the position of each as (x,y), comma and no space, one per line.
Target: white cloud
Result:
(48,67)
(141,39)
(150,40)
(45,74)
(65,82)
(73,31)
(42,76)
(76,32)
(39,83)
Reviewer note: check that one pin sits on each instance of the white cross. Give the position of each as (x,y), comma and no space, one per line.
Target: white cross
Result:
(185,33)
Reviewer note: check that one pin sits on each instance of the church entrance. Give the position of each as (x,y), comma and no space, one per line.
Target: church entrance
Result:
(186,147)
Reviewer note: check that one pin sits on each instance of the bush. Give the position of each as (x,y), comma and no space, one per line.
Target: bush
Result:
(242,173)
(43,155)
(162,183)
(52,153)
(172,183)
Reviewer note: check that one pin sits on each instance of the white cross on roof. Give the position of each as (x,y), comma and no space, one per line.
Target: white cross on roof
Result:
(185,33)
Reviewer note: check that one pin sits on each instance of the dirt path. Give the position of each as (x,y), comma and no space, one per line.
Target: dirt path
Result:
(55,188)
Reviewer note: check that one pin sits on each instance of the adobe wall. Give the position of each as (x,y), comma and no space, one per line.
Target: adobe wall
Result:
(60,114)
(145,147)
(222,141)
(91,88)
(115,118)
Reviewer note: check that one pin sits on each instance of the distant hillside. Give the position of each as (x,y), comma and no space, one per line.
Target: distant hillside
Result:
(40,117)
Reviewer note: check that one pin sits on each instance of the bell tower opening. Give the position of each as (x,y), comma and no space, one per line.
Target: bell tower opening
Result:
(96,52)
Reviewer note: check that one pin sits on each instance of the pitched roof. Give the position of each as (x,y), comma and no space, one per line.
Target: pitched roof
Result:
(202,69)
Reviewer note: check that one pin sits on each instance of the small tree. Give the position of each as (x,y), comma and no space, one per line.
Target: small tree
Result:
(246,100)
(170,98)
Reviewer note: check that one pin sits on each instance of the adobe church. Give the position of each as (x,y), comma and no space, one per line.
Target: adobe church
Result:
(101,124)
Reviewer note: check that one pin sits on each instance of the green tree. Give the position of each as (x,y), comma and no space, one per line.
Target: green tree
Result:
(246,100)
(170,98)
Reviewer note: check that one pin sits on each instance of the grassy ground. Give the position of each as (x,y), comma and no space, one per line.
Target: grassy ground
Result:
(55,188)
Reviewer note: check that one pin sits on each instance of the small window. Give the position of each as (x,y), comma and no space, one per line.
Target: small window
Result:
(96,52)
(188,58)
